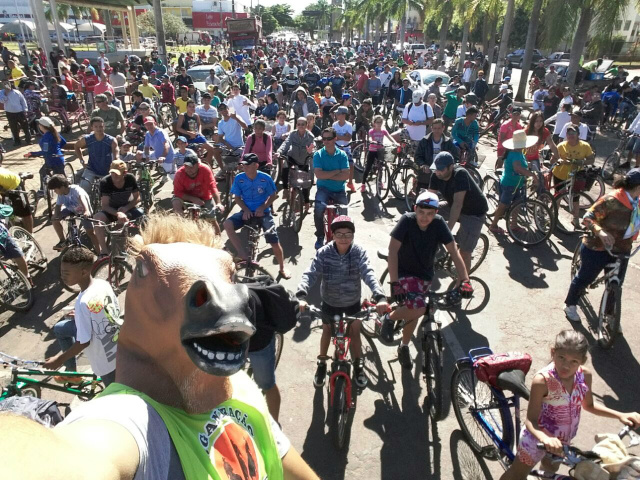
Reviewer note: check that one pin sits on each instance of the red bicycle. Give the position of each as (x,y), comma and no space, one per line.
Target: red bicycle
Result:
(332,211)
(342,399)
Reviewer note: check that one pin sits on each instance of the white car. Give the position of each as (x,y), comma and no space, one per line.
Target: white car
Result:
(199,73)
(417,48)
(421,79)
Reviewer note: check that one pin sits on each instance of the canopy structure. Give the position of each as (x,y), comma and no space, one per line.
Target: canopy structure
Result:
(15,27)
(92,28)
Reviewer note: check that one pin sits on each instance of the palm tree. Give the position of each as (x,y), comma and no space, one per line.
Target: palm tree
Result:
(532,33)
(504,40)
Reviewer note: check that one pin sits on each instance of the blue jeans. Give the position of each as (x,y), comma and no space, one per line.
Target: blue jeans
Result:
(322,199)
(65,333)
(592,263)
(263,364)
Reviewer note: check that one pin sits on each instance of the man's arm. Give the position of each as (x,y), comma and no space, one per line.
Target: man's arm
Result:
(239,120)
(114,149)
(80,144)
(456,208)
(392,259)
(179,128)
(295,468)
(134,201)
(452,248)
(122,123)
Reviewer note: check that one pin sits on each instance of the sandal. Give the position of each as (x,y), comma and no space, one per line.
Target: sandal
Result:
(496,230)
(285,274)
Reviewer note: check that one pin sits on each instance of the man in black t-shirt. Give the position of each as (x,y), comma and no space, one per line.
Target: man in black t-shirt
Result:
(551,103)
(467,203)
(119,197)
(414,242)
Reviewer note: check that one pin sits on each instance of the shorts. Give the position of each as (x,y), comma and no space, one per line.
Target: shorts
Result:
(469,232)
(509,194)
(634,145)
(415,288)
(131,215)
(263,364)
(528,451)
(206,208)
(11,249)
(347,150)
(329,311)
(18,201)
(197,139)
(86,224)
(267,223)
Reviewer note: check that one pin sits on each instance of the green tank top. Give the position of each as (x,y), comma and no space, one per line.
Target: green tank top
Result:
(234,438)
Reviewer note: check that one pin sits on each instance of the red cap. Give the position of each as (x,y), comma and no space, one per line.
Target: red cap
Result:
(149,119)
(86,61)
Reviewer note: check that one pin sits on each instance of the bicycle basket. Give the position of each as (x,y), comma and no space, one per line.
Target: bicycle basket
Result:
(300,178)
(230,163)
(580,181)
(118,244)
(488,368)
(591,174)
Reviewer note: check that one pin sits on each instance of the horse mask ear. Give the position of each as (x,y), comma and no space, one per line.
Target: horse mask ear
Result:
(218,323)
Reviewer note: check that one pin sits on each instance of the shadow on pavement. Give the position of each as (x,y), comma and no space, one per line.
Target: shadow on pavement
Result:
(467,464)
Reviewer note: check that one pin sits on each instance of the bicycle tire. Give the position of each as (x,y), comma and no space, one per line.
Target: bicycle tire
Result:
(116,272)
(339,414)
(595,192)
(564,215)
(279,339)
(530,213)
(246,273)
(32,201)
(381,182)
(491,192)
(69,288)
(146,194)
(399,179)
(70,173)
(432,372)
(14,286)
(297,211)
(478,255)
(30,390)
(466,393)
(410,191)
(30,247)
(359,157)
(611,167)
(95,196)
(51,201)
(609,316)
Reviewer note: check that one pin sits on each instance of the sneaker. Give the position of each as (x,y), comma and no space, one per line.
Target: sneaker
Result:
(65,379)
(321,374)
(60,245)
(404,356)
(571,312)
(358,374)
(351,187)
(319,243)
(386,330)
(363,188)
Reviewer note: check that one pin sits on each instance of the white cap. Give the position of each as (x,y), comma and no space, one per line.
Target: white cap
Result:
(417,96)
(46,122)
(504,87)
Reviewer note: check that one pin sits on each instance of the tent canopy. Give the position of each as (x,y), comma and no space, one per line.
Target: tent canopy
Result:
(30,27)
(115,5)
(93,28)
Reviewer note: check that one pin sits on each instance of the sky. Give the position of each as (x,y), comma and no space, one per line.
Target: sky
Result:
(298,5)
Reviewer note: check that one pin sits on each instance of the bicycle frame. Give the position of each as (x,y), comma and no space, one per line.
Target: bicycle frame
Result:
(341,343)
(19,381)
(611,276)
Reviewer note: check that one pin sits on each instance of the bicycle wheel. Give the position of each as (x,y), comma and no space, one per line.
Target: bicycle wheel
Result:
(359,157)
(381,181)
(250,272)
(31,249)
(473,400)
(339,414)
(432,371)
(529,222)
(411,191)
(70,173)
(475,174)
(32,201)
(594,192)
(383,279)
(30,390)
(611,167)
(146,195)
(70,288)
(297,211)
(478,255)
(490,190)
(115,271)
(399,179)
(576,261)
(609,315)
(279,339)
(570,208)
(51,201)
(15,290)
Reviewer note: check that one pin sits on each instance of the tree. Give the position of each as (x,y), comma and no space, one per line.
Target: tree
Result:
(504,40)
(173,25)
(304,24)
(532,33)
(283,14)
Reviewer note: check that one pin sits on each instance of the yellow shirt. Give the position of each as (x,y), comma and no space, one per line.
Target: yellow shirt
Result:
(182,104)
(8,179)
(578,152)
(225,64)
(148,90)
(16,73)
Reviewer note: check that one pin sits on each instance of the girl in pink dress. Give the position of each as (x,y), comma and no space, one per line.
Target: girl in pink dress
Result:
(559,392)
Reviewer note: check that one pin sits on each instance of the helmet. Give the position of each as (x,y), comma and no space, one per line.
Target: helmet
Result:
(342,221)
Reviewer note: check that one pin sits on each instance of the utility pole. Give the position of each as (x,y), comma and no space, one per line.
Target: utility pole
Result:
(233,8)
(160,40)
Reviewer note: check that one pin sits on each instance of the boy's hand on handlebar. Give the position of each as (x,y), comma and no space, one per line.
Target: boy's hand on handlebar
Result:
(632,419)
(246,214)
(302,305)
(553,445)
(52,363)
(382,307)
(466,290)
(27,155)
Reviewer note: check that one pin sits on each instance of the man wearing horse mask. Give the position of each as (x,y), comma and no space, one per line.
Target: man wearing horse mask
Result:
(180,407)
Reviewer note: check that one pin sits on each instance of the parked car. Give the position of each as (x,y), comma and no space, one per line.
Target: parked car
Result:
(200,72)
(420,79)
(557,57)
(561,69)
(515,57)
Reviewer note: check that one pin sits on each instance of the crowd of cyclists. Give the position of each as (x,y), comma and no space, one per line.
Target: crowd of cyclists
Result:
(281,109)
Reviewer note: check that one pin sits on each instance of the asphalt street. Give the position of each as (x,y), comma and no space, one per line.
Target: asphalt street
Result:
(517,307)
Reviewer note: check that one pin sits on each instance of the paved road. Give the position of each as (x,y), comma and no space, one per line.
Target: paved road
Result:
(519,300)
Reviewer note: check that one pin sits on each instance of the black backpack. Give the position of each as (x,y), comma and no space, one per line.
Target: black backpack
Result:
(426,113)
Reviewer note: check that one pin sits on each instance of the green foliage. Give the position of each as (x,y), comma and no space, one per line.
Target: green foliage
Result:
(304,24)
(173,25)
(274,17)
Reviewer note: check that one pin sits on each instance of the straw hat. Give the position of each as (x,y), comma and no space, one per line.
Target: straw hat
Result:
(520,140)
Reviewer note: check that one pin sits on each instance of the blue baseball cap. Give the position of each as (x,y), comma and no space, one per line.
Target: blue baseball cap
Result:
(442,161)
(633,176)
(346,96)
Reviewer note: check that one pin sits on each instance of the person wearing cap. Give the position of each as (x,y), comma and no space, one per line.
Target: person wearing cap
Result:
(9,182)
(513,179)
(89,82)
(194,183)
(179,155)
(254,192)
(342,265)
(412,248)
(114,122)
(119,200)
(468,205)
(344,131)
(345,101)
(502,101)
(51,145)
(614,223)
(453,101)
(147,90)
(125,154)
(416,117)
(576,121)
(157,145)
(103,149)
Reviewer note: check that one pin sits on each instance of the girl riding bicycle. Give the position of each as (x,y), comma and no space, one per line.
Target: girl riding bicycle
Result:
(558,394)
(377,135)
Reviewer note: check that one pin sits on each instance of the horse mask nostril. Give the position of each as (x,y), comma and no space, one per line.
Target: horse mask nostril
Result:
(201,296)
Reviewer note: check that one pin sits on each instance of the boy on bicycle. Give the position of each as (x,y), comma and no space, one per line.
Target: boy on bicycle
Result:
(342,265)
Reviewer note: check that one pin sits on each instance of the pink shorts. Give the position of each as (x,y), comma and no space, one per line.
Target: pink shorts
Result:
(528,452)
(416,288)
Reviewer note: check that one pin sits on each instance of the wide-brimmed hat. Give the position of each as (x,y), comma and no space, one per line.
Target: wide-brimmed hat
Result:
(520,140)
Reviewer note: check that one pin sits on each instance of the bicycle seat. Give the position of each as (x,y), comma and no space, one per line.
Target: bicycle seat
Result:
(383,254)
(25,175)
(513,381)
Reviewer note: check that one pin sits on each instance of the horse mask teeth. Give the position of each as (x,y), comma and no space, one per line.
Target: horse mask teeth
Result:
(217,326)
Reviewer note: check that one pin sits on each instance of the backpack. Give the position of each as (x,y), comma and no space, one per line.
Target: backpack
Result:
(488,368)
(426,114)
(253,140)
(274,307)
(45,412)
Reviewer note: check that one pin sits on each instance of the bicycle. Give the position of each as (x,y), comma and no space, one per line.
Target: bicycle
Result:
(72,241)
(484,414)
(379,174)
(31,249)
(611,166)
(16,293)
(611,301)
(246,270)
(404,168)
(471,161)
(230,162)
(294,208)
(340,386)
(50,194)
(29,195)
(529,221)
(25,380)
(332,210)
(145,182)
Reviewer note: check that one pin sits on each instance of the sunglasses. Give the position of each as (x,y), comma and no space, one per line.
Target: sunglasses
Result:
(343,235)
(327,139)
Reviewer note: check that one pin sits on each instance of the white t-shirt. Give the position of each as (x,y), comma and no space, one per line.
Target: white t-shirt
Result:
(584,131)
(461,111)
(562,118)
(207,116)
(97,317)
(385,78)
(437,147)
(72,201)
(237,104)
(343,130)
(417,114)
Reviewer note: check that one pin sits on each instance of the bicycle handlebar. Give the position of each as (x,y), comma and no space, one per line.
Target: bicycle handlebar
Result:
(361,315)
(15,361)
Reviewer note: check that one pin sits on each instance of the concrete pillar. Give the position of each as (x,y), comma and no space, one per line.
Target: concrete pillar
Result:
(133,25)
(125,37)
(42,31)
(160,38)
(107,23)
(56,23)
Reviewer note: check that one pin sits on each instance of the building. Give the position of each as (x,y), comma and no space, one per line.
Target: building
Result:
(210,15)
(627,30)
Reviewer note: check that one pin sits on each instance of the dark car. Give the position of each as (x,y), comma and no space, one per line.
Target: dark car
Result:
(515,57)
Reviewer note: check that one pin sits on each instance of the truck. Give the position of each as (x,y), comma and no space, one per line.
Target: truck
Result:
(199,37)
(244,33)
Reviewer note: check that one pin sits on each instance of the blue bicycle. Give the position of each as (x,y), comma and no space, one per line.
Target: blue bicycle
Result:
(485,417)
